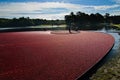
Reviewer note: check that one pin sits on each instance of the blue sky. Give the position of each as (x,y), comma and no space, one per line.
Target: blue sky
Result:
(84,2)
(52,9)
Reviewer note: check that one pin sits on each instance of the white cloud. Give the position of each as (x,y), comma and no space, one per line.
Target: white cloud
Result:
(115,12)
(46,10)
(105,7)
(117,1)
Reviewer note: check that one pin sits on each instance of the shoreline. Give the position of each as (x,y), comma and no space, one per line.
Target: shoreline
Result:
(109,71)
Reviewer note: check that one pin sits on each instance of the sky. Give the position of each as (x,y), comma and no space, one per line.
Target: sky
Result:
(56,9)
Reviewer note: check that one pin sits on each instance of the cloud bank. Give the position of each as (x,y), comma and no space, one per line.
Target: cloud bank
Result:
(117,1)
(48,10)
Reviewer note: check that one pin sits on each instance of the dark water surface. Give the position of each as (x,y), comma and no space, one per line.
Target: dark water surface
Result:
(112,54)
(114,51)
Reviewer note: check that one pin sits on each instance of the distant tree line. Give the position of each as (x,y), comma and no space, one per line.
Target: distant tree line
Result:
(23,22)
(92,21)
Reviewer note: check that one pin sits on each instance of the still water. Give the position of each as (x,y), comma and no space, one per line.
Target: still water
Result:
(115,50)
(116,34)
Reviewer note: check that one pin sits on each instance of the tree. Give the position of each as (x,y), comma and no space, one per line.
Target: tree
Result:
(107,17)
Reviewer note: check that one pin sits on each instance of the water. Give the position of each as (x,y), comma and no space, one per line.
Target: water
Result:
(114,52)
(34,28)
(116,35)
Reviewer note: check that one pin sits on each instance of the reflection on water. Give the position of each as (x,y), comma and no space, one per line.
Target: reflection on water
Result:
(115,50)
(114,33)
(117,40)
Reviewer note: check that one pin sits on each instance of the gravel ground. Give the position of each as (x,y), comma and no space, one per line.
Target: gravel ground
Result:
(109,71)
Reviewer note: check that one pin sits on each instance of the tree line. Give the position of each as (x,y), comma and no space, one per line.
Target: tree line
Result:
(91,21)
(24,22)
(79,19)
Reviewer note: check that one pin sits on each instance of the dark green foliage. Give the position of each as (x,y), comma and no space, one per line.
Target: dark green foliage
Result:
(115,19)
(92,21)
(23,22)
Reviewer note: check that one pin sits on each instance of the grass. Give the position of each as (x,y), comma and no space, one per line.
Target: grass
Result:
(109,71)
(116,25)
